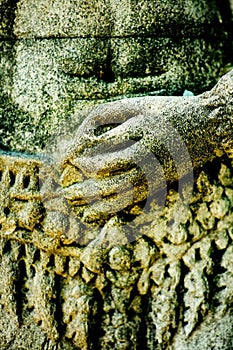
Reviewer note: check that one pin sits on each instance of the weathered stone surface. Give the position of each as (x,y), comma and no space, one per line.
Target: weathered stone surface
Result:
(154,275)
(113,18)
(72,55)
(7,15)
(53,79)
(176,288)
(49,81)
(178,133)
(62,19)
(157,276)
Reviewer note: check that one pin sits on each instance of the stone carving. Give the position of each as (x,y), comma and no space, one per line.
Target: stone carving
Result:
(154,283)
(84,264)
(60,57)
(116,142)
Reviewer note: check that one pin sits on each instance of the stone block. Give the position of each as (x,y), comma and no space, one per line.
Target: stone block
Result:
(72,18)
(114,18)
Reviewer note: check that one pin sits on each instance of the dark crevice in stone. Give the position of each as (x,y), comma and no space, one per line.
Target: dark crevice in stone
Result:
(181,290)
(7,17)
(7,66)
(26,181)
(227,28)
(12,178)
(95,324)
(20,289)
(142,334)
(106,73)
(58,315)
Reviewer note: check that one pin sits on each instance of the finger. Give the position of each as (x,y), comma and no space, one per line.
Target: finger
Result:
(113,204)
(105,116)
(132,129)
(106,207)
(100,210)
(116,112)
(113,140)
(146,179)
(105,164)
(95,189)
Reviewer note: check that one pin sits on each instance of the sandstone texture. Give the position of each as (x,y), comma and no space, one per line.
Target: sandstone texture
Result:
(60,57)
(116,192)
(161,281)
(154,275)
(148,142)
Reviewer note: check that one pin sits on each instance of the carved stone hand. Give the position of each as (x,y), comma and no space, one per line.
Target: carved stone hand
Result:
(129,149)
